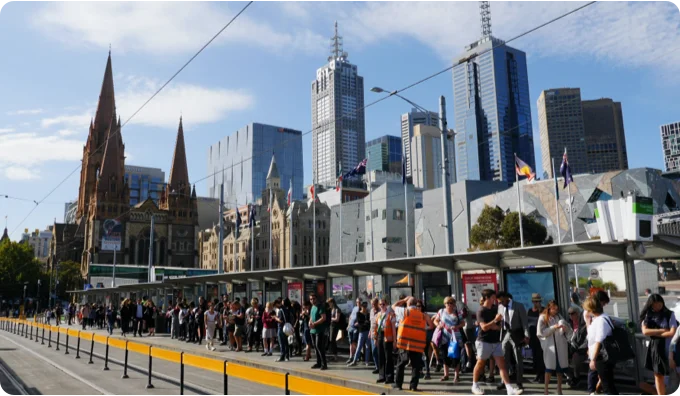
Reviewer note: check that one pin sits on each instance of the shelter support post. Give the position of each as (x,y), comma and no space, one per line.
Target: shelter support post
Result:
(633,312)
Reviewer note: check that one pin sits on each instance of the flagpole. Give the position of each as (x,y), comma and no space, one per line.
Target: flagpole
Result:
(370,200)
(341,234)
(405,183)
(519,206)
(236,226)
(252,237)
(314,227)
(271,264)
(571,207)
(557,204)
(290,227)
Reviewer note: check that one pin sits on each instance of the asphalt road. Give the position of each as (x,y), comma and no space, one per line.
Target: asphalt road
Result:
(38,369)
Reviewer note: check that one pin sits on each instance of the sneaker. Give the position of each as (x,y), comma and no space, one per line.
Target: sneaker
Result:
(375,372)
(212,348)
(264,354)
(476,390)
(207,347)
(351,364)
(324,368)
(349,361)
(287,359)
(515,391)
(316,366)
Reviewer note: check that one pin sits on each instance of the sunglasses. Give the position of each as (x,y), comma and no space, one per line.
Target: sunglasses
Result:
(449,303)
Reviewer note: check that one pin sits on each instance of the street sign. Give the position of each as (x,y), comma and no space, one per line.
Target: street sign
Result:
(594,273)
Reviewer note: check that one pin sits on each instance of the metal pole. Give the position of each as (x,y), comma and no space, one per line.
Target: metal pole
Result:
(370,203)
(37,301)
(149,385)
(341,233)
(106,356)
(446,190)
(290,226)
(557,205)
(519,207)
(571,214)
(113,281)
(314,228)
(236,238)
(152,275)
(271,263)
(220,252)
(408,249)
(91,348)
(252,239)
(181,373)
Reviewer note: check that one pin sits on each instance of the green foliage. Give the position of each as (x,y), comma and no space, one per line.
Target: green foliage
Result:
(19,267)
(496,230)
(70,278)
(597,283)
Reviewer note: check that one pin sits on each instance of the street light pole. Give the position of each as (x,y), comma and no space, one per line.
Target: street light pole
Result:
(37,303)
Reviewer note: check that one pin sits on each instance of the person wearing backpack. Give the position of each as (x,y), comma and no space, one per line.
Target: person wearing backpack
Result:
(660,325)
(600,328)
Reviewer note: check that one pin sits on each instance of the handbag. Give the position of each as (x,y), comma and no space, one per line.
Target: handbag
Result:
(616,347)
(339,336)
(288,329)
(454,348)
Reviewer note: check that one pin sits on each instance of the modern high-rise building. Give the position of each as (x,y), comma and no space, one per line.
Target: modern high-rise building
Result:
(426,157)
(338,129)
(492,110)
(144,183)
(384,154)
(605,136)
(560,119)
(670,140)
(241,161)
(408,122)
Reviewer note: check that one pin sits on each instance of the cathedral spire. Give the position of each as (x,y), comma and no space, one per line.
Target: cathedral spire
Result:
(179,175)
(110,168)
(106,108)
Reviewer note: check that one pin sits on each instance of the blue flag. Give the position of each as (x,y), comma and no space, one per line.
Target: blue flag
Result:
(565,170)
(358,170)
(238,220)
(251,216)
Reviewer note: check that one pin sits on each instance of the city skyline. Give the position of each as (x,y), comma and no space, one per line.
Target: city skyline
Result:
(40,129)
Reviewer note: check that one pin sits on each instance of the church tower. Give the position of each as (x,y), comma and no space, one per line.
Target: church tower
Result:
(179,198)
(93,151)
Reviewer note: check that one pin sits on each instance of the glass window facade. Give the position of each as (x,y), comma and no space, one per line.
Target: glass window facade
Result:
(492,113)
(144,183)
(385,154)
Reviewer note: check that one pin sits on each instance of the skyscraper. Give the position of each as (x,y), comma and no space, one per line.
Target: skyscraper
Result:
(605,136)
(385,154)
(492,110)
(408,122)
(670,140)
(241,161)
(426,156)
(337,116)
(144,183)
(560,119)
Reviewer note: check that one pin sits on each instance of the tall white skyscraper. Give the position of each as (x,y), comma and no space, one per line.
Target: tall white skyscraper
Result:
(408,122)
(337,116)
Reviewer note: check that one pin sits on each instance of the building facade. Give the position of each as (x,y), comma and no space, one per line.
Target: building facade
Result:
(70,209)
(408,123)
(240,161)
(605,135)
(426,158)
(144,183)
(670,142)
(560,120)
(492,111)
(40,242)
(338,126)
(384,154)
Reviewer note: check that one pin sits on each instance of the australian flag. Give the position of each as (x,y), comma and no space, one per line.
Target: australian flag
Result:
(358,170)
(251,216)
(238,219)
(565,170)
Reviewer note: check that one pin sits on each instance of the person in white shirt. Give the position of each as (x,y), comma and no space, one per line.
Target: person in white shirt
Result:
(674,377)
(600,328)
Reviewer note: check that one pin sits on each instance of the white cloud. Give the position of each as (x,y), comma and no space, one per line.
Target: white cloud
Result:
(6,130)
(166,27)
(25,112)
(73,121)
(67,132)
(20,173)
(30,149)
(624,33)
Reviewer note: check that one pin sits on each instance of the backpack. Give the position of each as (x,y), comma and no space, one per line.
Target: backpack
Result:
(342,320)
(616,346)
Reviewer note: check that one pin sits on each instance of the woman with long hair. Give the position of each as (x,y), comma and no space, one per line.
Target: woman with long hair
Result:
(125,315)
(660,325)
(554,333)
(362,325)
(212,317)
(600,328)
(268,329)
(150,317)
(306,331)
(254,325)
(335,328)
(449,324)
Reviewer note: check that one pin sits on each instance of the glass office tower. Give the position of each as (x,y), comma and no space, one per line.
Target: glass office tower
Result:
(241,161)
(492,111)
(385,154)
(144,183)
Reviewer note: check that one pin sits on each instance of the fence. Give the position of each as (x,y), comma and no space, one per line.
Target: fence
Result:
(284,381)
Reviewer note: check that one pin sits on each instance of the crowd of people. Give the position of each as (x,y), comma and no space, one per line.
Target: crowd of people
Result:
(389,338)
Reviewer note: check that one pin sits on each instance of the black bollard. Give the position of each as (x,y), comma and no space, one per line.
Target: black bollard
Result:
(43,337)
(91,349)
(58,332)
(67,337)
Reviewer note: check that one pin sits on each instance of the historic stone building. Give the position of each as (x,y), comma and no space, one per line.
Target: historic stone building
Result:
(104,197)
(240,256)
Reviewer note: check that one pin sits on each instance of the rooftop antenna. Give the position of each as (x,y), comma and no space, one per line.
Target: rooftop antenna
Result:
(485,13)
(336,46)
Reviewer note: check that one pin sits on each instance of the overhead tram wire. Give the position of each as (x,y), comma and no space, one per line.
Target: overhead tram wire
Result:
(285,142)
(137,111)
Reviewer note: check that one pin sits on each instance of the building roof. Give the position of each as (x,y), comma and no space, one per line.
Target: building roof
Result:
(273,170)
(4,235)
(106,108)
(179,175)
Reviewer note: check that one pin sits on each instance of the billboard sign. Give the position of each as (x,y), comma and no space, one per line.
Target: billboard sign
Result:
(522,283)
(112,235)
(473,284)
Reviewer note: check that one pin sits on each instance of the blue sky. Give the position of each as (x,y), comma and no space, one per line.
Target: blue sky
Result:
(261,69)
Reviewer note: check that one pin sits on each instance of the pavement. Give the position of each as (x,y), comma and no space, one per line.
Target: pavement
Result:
(358,377)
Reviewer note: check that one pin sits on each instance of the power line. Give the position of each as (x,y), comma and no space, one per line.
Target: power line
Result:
(137,111)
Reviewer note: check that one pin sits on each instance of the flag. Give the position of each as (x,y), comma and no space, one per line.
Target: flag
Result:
(251,216)
(523,169)
(565,170)
(360,169)
(338,183)
(311,190)
(238,218)
(290,193)
(557,191)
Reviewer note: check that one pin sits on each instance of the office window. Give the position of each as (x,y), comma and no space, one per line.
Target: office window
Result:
(398,214)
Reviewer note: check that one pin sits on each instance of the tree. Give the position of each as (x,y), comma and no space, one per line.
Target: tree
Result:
(69,278)
(18,267)
(534,232)
(485,235)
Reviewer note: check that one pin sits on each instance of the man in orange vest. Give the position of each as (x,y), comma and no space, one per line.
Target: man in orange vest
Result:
(411,339)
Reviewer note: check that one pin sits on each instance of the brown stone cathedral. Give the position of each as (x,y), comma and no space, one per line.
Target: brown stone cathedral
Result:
(105,195)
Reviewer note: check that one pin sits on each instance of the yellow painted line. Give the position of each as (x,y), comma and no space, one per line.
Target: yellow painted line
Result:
(257,375)
(86,336)
(54,328)
(165,354)
(204,363)
(63,330)
(312,387)
(73,333)
(139,348)
(100,339)
(116,343)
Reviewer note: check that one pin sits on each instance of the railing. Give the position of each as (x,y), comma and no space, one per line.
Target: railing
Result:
(283,381)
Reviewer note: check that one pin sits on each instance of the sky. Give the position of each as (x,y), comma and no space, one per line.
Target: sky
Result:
(260,69)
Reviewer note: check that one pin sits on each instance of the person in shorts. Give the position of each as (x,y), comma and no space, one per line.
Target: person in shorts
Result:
(489,342)
(239,325)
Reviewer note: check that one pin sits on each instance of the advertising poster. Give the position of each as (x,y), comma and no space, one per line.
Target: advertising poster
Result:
(434,297)
(473,284)
(256,294)
(317,287)
(295,291)
(112,235)
(521,284)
